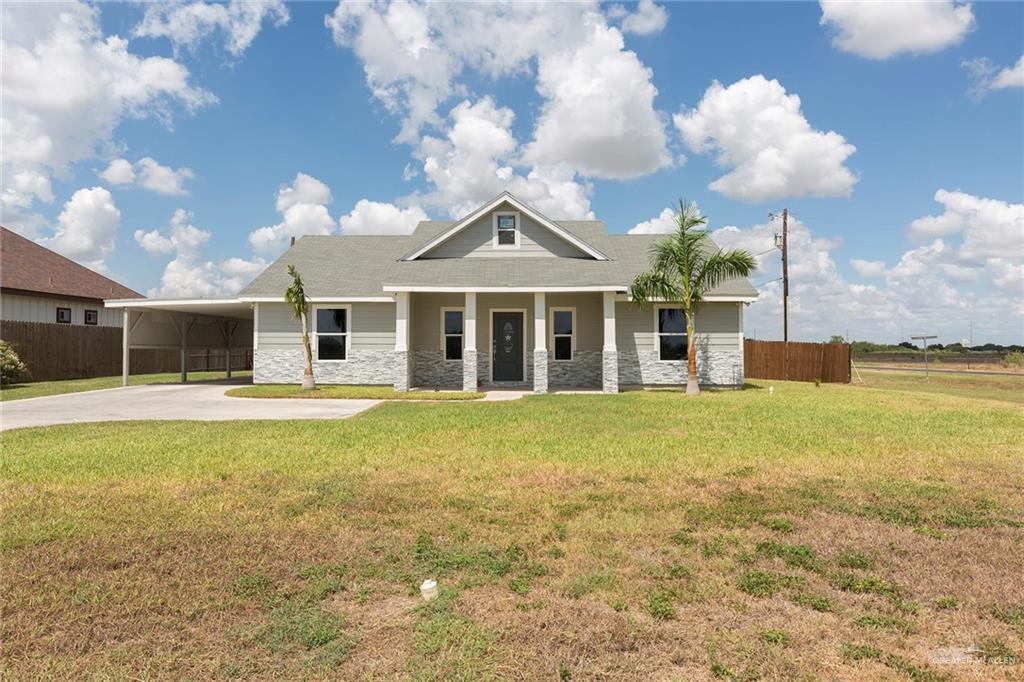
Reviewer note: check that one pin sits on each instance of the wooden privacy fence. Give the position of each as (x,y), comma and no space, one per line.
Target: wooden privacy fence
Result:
(53,351)
(828,362)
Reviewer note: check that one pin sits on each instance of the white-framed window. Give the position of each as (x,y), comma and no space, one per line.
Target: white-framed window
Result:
(563,333)
(506,230)
(452,333)
(332,329)
(670,332)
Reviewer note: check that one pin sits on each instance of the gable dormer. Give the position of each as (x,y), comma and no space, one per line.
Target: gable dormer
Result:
(505,227)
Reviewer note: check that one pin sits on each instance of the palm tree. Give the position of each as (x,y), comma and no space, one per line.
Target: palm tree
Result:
(685,266)
(296,296)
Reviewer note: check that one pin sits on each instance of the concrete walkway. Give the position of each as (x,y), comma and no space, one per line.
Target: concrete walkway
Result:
(205,402)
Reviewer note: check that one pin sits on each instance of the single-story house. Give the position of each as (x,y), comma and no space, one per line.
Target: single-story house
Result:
(504,296)
(39,285)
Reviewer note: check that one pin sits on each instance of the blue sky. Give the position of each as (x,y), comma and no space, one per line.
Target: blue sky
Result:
(248,101)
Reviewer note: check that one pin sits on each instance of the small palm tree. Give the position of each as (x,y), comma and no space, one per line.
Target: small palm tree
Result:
(296,296)
(685,266)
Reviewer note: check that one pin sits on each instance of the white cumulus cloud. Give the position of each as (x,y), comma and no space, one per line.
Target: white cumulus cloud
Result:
(758,130)
(303,210)
(663,223)
(86,228)
(879,29)
(647,19)
(597,118)
(374,217)
(867,268)
(188,275)
(66,87)
(148,173)
(185,24)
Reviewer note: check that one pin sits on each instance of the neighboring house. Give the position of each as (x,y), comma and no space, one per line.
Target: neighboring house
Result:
(38,285)
(503,296)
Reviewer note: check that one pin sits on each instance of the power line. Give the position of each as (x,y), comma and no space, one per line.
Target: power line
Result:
(767,282)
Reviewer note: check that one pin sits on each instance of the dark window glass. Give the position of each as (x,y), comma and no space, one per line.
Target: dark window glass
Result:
(671,321)
(91,317)
(64,315)
(331,320)
(330,348)
(673,347)
(507,230)
(453,347)
(563,322)
(563,348)
(453,322)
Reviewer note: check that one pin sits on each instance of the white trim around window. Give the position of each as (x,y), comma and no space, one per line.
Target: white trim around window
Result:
(517,228)
(552,336)
(347,333)
(658,333)
(444,335)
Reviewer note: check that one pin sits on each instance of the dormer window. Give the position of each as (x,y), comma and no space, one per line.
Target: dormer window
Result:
(506,230)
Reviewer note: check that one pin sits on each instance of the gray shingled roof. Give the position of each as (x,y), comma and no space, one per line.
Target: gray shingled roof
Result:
(355,266)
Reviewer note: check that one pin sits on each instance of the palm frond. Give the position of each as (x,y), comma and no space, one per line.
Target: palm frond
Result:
(652,286)
(722,266)
(296,293)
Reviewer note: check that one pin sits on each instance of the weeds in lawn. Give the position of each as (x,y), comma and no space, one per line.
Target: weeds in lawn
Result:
(947,602)
(881,621)
(766,583)
(659,604)
(775,637)
(850,558)
(814,601)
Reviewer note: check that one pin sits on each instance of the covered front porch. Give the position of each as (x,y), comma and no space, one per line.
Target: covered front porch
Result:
(557,338)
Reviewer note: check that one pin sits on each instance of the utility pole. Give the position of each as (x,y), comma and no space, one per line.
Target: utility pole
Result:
(785,275)
(785,286)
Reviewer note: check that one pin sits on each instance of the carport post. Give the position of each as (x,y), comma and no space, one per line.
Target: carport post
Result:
(227,343)
(125,334)
(184,346)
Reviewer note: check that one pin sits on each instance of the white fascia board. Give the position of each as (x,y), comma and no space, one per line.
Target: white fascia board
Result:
(157,302)
(505,197)
(707,299)
(321,299)
(503,290)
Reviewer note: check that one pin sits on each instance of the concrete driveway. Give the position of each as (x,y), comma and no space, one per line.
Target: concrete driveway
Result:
(205,402)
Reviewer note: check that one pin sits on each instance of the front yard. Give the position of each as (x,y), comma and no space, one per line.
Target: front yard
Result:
(820,533)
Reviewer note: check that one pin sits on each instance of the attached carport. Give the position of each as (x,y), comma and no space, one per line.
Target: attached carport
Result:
(183,324)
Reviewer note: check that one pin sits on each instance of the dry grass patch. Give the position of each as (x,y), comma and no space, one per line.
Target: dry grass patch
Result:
(570,536)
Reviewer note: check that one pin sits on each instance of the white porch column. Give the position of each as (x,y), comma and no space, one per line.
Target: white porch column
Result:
(126,331)
(469,353)
(540,343)
(402,341)
(609,353)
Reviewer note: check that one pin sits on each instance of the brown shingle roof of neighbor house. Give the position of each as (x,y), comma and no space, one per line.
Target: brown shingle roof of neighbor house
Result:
(27,266)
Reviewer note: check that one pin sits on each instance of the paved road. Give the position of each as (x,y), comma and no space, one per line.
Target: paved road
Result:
(167,401)
(933,370)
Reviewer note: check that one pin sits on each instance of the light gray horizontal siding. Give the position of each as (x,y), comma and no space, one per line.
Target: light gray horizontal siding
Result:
(372,327)
(477,241)
(718,327)
(21,308)
(589,319)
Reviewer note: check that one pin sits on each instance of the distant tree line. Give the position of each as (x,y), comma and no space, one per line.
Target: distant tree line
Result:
(862,347)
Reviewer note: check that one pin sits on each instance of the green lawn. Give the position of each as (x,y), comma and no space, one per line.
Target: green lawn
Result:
(362,392)
(817,533)
(1009,388)
(43,388)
